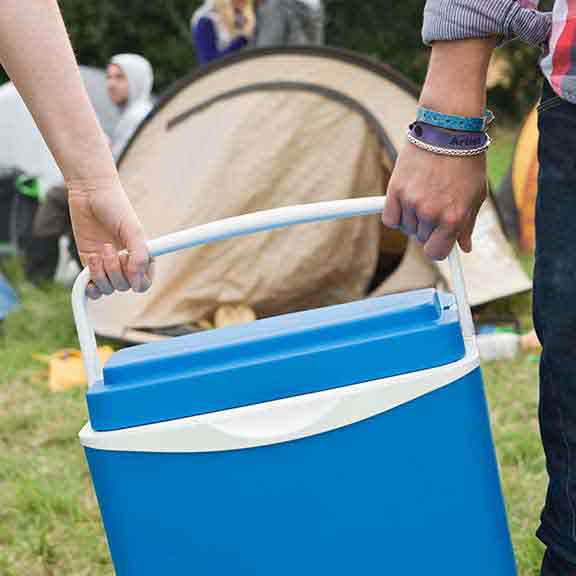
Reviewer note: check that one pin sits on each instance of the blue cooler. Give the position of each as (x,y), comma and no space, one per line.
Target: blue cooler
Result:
(349,440)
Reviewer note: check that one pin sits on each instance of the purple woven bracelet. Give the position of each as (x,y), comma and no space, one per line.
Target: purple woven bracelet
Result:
(440,140)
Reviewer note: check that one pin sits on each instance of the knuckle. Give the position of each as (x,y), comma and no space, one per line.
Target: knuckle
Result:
(426,212)
(452,218)
(112,264)
(140,260)
(409,201)
(395,185)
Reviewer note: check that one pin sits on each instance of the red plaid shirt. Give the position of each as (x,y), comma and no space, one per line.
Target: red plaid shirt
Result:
(559,64)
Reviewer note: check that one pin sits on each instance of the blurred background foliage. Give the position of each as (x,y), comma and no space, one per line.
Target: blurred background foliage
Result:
(388,31)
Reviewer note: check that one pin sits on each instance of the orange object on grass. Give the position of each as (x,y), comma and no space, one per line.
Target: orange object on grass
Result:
(66,368)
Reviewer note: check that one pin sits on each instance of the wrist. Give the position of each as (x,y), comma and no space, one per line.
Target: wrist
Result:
(85,157)
(456,79)
(91,184)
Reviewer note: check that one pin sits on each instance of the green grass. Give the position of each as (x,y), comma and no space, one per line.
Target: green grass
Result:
(500,156)
(49,520)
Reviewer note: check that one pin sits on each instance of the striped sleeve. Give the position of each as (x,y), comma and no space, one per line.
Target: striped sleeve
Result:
(506,19)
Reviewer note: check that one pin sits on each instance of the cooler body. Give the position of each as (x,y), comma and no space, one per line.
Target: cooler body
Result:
(349,441)
(412,491)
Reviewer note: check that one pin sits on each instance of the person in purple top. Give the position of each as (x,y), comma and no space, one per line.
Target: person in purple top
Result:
(221,27)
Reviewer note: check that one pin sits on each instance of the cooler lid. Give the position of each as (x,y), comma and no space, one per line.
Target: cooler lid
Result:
(276,358)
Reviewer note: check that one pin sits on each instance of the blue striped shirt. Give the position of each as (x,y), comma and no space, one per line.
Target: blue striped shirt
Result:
(554,32)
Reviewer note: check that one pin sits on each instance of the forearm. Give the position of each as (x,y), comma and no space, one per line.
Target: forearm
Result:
(456,79)
(36,53)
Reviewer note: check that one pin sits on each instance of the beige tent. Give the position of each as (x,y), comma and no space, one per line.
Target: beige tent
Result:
(273,128)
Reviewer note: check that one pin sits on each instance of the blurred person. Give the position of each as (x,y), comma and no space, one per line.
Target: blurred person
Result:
(289,23)
(436,197)
(129,80)
(222,27)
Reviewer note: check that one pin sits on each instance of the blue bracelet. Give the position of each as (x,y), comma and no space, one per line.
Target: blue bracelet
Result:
(465,123)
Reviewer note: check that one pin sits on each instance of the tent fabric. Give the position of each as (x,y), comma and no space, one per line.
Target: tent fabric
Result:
(516,197)
(525,180)
(8,298)
(267,129)
(22,145)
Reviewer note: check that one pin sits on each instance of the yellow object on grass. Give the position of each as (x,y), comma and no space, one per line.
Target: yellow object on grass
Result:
(66,367)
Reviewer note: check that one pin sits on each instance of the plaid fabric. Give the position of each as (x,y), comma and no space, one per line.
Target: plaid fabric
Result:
(507,19)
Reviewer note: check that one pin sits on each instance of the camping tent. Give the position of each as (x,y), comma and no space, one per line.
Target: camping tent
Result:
(8,298)
(516,197)
(271,128)
(22,146)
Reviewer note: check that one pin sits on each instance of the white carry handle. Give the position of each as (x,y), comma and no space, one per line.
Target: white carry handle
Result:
(242,226)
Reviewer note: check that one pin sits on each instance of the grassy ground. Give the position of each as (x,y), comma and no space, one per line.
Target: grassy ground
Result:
(500,155)
(49,522)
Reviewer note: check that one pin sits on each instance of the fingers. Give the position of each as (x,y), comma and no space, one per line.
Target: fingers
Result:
(98,274)
(425,229)
(436,230)
(109,271)
(113,269)
(465,238)
(409,222)
(392,214)
(440,243)
(139,266)
(92,291)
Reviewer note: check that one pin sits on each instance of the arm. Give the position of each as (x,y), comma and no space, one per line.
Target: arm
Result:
(237,44)
(206,42)
(437,198)
(36,53)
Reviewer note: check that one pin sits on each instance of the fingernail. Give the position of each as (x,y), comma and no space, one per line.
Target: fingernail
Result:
(92,292)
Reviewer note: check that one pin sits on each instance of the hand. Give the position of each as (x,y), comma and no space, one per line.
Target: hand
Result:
(105,223)
(436,198)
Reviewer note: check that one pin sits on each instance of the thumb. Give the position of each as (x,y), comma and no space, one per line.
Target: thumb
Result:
(465,238)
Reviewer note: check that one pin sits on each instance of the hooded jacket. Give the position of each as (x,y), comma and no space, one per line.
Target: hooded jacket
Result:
(140,81)
(290,22)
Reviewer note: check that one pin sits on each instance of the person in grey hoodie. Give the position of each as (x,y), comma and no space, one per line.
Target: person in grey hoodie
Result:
(289,23)
(129,80)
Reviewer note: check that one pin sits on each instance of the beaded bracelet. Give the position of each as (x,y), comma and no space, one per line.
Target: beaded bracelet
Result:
(447,142)
(454,122)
